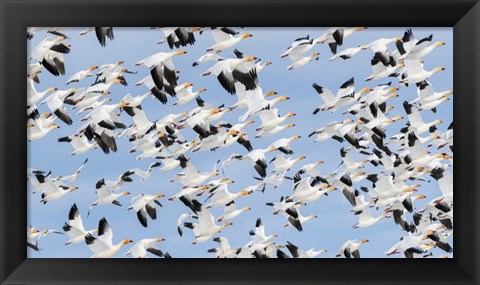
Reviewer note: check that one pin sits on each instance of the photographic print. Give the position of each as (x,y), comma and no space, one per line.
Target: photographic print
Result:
(240,142)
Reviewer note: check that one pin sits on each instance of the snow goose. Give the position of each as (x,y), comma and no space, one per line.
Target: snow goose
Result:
(102,33)
(415,72)
(230,211)
(50,191)
(256,156)
(383,66)
(366,220)
(74,228)
(445,182)
(432,105)
(206,227)
(426,94)
(300,253)
(409,245)
(417,156)
(296,219)
(82,74)
(187,95)
(276,180)
(225,40)
(79,142)
(275,130)
(412,48)
(33,70)
(256,102)
(178,36)
(225,250)
(102,247)
(34,236)
(162,68)
(72,178)
(421,49)
(230,70)
(299,60)
(37,131)
(346,89)
(170,163)
(106,195)
(307,191)
(310,168)
(33,96)
(145,174)
(222,197)
(144,246)
(336,130)
(181,220)
(49,52)
(144,204)
(215,141)
(348,53)
(283,164)
(55,104)
(299,47)
(258,235)
(417,124)
(335,36)
(282,206)
(381,45)
(271,119)
(208,57)
(351,248)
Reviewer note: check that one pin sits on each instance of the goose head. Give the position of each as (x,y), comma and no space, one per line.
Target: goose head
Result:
(270,93)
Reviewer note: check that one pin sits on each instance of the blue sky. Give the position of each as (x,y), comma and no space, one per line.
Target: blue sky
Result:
(329,231)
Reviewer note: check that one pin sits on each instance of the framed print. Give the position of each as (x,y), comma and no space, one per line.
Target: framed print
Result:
(300,130)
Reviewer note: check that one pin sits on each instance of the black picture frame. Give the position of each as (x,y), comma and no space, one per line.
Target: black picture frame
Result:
(17,15)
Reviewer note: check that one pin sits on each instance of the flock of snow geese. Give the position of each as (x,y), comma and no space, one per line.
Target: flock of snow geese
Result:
(420,152)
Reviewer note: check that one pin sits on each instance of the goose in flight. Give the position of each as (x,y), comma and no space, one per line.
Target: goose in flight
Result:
(230,211)
(79,142)
(34,236)
(34,96)
(145,174)
(232,70)
(72,178)
(106,196)
(384,66)
(256,157)
(225,250)
(144,204)
(162,68)
(348,53)
(283,144)
(206,227)
(208,57)
(51,191)
(82,74)
(258,235)
(225,39)
(74,228)
(351,248)
(102,246)
(222,197)
(299,60)
(415,72)
(366,220)
(283,164)
(300,253)
(49,53)
(145,246)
